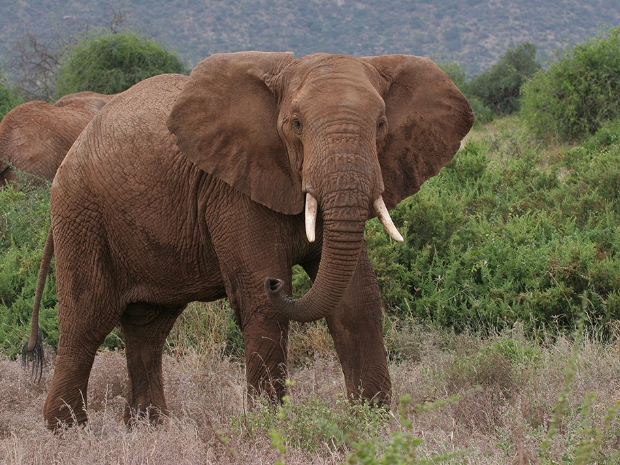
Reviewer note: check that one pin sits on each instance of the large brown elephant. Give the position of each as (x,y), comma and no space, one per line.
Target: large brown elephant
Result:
(35,136)
(193,188)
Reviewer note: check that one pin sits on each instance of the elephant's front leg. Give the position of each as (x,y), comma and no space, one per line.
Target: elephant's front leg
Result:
(357,332)
(145,328)
(265,336)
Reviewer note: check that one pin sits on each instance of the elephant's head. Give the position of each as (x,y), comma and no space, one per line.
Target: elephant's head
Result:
(350,137)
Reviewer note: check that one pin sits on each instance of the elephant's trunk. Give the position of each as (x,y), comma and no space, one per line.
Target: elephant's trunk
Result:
(345,196)
(342,244)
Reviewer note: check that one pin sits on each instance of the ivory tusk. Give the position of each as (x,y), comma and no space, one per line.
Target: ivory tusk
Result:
(386,221)
(311,209)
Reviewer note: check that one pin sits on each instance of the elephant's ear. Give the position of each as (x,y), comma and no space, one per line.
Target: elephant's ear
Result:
(225,121)
(427,119)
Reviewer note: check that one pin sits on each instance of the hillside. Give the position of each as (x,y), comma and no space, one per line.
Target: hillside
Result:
(473,33)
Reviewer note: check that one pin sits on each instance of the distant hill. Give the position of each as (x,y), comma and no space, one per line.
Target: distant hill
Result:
(473,33)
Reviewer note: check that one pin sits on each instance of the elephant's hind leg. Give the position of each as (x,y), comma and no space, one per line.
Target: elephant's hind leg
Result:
(78,344)
(145,328)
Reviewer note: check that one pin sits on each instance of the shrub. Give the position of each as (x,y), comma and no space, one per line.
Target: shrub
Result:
(112,62)
(497,238)
(578,93)
(499,87)
(24,221)
(8,98)
(312,423)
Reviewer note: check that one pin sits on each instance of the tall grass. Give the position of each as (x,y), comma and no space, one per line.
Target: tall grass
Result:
(465,399)
(24,221)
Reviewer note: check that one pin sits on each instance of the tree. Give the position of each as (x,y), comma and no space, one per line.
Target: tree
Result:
(111,62)
(499,87)
(33,63)
(578,93)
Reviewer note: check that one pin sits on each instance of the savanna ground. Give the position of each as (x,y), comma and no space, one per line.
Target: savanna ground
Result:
(493,400)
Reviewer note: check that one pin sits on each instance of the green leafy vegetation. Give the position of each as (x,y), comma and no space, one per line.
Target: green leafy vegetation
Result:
(110,62)
(499,236)
(499,87)
(8,98)
(24,221)
(508,232)
(310,424)
(578,93)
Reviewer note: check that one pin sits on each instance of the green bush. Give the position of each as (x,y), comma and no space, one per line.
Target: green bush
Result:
(8,98)
(24,222)
(578,93)
(498,238)
(312,423)
(112,62)
(499,87)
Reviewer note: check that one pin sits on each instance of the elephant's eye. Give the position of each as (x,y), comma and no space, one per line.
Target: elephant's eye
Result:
(297,124)
(382,125)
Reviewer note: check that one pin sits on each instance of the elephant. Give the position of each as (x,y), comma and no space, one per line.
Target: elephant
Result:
(195,188)
(35,136)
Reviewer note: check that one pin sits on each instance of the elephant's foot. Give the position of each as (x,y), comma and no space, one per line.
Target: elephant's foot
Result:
(60,413)
(273,390)
(66,400)
(152,414)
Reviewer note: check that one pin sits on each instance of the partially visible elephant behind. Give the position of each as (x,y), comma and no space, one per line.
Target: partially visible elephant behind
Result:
(193,188)
(35,136)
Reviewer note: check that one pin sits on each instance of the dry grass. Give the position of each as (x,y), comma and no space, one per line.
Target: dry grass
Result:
(508,387)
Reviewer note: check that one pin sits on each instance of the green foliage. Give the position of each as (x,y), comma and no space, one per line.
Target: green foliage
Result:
(23,227)
(578,93)
(499,87)
(482,113)
(112,62)
(456,73)
(207,327)
(608,134)
(312,423)
(401,447)
(498,238)
(8,98)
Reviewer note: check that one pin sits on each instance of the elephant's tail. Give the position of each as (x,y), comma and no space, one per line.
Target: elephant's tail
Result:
(33,347)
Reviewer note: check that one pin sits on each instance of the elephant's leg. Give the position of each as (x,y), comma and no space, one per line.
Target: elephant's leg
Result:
(145,328)
(357,332)
(265,335)
(81,334)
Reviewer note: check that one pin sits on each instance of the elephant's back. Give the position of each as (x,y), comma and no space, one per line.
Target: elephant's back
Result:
(36,136)
(127,138)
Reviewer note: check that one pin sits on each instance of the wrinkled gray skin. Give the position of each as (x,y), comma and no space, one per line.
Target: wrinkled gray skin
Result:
(192,189)
(35,136)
